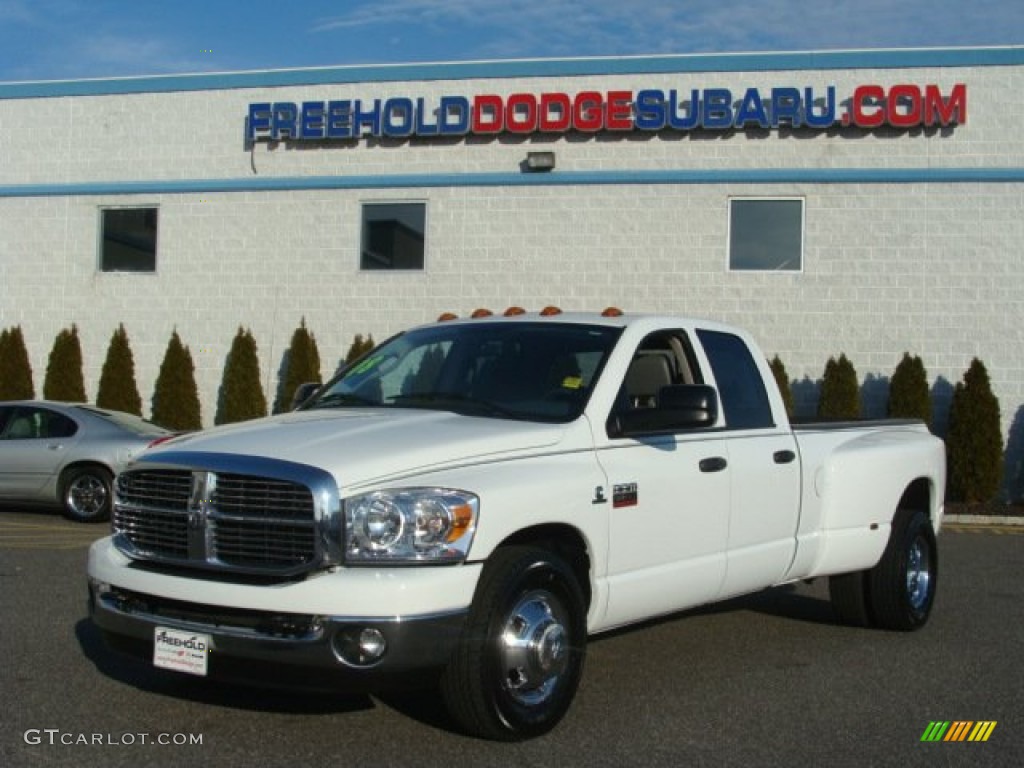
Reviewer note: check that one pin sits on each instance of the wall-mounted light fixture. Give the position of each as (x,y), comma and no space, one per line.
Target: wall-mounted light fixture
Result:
(540,161)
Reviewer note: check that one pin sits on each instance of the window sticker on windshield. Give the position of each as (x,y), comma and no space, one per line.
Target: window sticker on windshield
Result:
(368,365)
(572,382)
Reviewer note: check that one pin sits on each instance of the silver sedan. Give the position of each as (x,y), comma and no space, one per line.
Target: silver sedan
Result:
(68,453)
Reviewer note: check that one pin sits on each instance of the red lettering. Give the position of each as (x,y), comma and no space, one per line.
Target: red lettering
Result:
(904,106)
(588,111)
(868,106)
(620,112)
(488,114)
(555,112)
(947,111)
(521,113)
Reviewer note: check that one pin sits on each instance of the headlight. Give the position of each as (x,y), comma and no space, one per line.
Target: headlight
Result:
(410,525)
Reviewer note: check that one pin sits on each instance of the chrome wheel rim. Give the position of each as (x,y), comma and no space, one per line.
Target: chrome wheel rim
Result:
(534,648)
(919,576)
(87,496)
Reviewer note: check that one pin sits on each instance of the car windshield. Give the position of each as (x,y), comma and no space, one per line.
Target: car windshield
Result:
(518,370)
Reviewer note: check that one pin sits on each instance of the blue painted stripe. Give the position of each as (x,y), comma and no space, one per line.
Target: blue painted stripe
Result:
(557,178)
(622,65)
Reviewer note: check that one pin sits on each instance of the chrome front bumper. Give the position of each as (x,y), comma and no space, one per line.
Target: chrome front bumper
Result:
(293,650)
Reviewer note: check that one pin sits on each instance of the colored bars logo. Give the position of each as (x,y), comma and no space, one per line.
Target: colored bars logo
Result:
(958,730)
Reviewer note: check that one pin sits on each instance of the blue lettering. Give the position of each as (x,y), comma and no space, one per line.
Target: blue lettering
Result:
(284,121)
(752,110)
(692,119)
(717,108)
(786,106)
(650,110)
(370,119)
(258,120)
(312,123)
(398,119)
(827,117)
(454,115)
(422,127)
(339,119)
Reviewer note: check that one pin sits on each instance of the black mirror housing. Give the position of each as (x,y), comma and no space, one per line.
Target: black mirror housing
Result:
(680,407)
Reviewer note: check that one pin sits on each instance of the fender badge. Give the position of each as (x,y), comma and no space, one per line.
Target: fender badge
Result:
(624,495)
(599,496)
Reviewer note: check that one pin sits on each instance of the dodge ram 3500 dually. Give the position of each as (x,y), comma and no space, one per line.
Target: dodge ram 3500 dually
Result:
(474,497)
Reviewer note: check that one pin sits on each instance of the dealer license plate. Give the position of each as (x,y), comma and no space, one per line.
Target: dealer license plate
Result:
(181,651)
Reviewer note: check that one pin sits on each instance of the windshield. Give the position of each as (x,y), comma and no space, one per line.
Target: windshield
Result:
(522,370)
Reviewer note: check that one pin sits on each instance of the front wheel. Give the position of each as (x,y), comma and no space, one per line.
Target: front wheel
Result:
(515,671)
(86,494)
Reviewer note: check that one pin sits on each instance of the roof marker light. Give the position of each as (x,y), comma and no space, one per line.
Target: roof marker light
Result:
(549,311)
(612,312)
(478,313)
(513,311)
(445,317)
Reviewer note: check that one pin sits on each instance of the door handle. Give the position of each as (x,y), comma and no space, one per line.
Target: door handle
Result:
(55,446)
(783,457)
(714,464)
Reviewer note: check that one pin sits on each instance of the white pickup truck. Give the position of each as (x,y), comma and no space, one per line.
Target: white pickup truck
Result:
(475,497)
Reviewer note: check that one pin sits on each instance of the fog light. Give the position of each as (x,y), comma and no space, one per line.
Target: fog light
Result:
(360,646)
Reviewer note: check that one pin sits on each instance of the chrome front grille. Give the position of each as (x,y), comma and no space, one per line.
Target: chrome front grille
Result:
(227,521)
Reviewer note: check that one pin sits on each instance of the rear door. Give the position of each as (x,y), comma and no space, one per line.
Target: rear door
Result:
(33,444)
(764,469)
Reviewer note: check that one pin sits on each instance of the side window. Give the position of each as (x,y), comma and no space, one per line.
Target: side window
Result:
(392,236)
(53,424)
(662,359)
(23,424)
(128,239)
(744,398)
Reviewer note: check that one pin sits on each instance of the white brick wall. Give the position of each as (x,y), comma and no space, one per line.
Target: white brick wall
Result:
(933,269)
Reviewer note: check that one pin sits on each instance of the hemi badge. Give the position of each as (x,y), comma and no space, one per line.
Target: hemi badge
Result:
(624,495)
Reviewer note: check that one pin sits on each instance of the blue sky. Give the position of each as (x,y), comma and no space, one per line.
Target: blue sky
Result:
(71,39)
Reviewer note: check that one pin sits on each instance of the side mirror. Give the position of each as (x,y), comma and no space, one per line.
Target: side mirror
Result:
(302,393)
(680,407)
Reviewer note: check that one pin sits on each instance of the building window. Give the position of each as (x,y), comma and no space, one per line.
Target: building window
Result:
(128,239)
(392,236)
(766,235)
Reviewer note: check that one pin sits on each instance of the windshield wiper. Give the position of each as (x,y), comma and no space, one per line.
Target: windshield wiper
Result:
(453,401)
(340,399)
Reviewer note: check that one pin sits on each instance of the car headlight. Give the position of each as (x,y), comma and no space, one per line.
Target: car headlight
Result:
(410,525)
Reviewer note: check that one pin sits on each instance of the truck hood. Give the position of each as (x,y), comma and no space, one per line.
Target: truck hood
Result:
(366,445)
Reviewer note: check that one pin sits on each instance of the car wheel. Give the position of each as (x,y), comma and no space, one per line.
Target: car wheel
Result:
(901,588)
(86,494)
(515,671)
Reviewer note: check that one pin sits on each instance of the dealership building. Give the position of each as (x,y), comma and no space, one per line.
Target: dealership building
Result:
(861,202)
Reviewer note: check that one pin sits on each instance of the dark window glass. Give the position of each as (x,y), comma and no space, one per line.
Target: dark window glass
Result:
(766,235)
(36,424)
(744,398)
(128,241)
(53,424)
(393,236)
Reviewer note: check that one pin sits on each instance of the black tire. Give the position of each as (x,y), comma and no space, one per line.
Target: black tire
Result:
(901,588)
(515,671)
(848,593)
(86,494)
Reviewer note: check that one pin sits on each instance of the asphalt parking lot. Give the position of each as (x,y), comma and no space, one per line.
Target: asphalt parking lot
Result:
(768,679)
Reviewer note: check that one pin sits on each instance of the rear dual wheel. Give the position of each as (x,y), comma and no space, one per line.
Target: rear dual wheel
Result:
(899,591)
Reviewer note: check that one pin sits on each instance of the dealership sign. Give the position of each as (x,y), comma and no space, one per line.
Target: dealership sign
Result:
(712,109)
